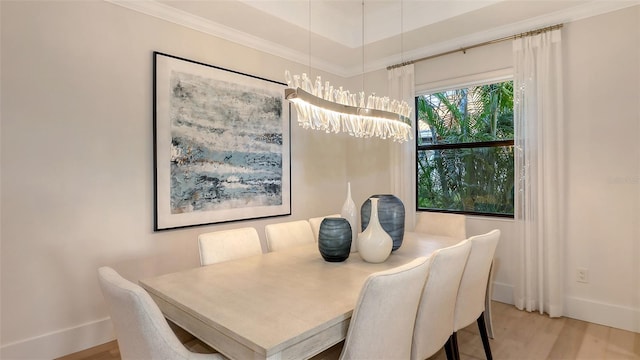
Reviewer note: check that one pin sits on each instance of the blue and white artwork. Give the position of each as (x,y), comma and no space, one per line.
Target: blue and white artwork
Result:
(222,145)
(226,145)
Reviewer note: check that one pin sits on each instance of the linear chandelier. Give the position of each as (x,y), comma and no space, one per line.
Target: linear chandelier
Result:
(334,110)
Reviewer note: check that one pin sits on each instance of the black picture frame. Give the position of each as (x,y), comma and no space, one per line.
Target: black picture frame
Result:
(222,149)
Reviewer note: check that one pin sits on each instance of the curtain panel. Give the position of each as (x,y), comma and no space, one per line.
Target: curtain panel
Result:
(401,86)
(540,178)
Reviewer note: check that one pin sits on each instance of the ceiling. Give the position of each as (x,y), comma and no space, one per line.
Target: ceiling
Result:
(328,34)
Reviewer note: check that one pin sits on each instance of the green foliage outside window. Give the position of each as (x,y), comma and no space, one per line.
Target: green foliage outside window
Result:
(465,159)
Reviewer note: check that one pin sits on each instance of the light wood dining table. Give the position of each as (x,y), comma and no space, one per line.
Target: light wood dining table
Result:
(289,304)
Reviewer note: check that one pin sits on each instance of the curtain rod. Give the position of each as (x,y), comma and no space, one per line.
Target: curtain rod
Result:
(464,49)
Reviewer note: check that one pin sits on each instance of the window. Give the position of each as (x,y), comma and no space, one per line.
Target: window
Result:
(465,160)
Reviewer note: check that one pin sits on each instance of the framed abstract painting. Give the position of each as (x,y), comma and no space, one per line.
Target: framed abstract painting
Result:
(221,145)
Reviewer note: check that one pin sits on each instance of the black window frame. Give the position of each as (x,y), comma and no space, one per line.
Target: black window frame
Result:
(463,145)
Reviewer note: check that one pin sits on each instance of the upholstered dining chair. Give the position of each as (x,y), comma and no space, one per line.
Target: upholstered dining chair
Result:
(224,245)
(470,302)
(287,234)
(141,329)
(315,224)
(442,224)
(382,323)
(453,225)
(434,320)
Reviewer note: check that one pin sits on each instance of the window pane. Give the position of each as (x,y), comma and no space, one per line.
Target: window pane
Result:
(474,114)
(472,180)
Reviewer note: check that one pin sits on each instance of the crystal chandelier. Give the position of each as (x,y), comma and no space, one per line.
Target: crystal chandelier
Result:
(334,110)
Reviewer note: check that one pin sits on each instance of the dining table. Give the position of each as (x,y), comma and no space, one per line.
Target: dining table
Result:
(288,304)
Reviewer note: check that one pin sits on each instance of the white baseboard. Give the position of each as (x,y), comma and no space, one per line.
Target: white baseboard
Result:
(619,317)
(616,316)
(502,292)
(59,343)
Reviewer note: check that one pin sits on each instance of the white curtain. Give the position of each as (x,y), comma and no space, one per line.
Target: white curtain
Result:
(403,155)
(539,153)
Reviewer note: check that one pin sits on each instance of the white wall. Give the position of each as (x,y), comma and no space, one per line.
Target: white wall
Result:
(77,172)
(77,164)
(602,93)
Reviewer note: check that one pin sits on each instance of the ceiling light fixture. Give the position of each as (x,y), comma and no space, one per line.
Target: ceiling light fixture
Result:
(323,107)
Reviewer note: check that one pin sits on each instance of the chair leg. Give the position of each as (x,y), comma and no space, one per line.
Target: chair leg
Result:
(454,345)
(483,335)
(448,348)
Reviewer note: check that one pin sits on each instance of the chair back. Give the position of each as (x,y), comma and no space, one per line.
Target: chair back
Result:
(434,320)
(384,316)
(141,329)
(470,302)
(442,224)
(315,224)
(225,245)
(288,234)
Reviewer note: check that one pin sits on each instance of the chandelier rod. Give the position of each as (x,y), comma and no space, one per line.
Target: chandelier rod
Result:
(362,24)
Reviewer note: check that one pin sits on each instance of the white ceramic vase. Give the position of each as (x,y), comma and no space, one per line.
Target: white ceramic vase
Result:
(350,212)
(374,244)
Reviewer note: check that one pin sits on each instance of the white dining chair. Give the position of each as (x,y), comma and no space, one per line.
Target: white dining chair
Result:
(470,302)
(315,224)
(383,319)
(434,320)
(287,234)
(141,329)
(225,245)
(442,224)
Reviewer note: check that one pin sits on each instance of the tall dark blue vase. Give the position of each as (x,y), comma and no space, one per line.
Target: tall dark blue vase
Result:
(390,214)
(334,239)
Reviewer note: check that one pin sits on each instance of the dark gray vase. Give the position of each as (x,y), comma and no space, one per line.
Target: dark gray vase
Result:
(334,239)
(390,214)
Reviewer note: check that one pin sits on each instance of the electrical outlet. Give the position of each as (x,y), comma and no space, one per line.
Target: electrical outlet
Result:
(582,275)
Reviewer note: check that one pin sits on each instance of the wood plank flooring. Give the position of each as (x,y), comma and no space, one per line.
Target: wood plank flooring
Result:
(519,335)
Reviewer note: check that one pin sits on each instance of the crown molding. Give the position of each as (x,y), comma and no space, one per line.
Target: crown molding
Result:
(189,20)
(179,17)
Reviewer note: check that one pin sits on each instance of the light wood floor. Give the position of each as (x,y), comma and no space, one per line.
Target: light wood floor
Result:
(519,335)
